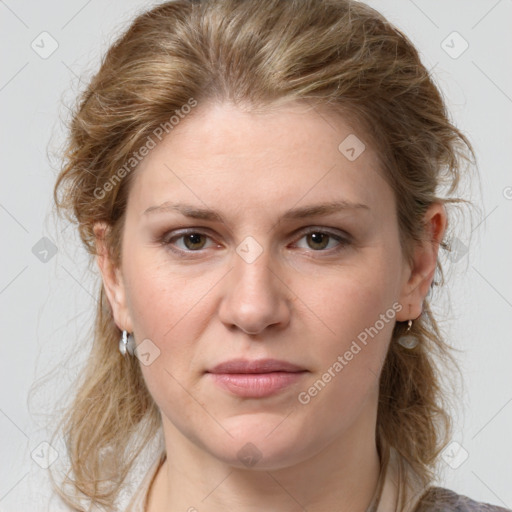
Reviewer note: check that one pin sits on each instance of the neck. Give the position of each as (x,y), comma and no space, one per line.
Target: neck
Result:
(342,476)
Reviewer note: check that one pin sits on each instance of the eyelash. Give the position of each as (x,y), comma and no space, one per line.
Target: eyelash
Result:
(165,240)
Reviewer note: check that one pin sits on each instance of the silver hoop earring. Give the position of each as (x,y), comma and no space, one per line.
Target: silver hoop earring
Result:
(407,340)
(127,344)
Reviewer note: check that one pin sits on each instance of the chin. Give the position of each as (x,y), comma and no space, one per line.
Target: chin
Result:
(260,443)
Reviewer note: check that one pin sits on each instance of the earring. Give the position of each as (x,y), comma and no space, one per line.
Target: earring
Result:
(127,344)
(407,340)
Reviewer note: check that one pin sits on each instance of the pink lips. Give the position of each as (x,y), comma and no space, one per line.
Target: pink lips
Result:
(256,378)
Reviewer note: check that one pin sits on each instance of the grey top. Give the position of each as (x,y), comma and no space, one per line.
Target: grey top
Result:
(439,499)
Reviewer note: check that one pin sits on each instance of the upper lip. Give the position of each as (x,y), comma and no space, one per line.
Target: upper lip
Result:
(255,366)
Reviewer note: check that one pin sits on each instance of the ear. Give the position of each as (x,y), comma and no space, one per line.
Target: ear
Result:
(112,280)
(420,273)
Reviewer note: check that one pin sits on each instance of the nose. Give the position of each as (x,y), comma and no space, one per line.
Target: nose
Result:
(255,296)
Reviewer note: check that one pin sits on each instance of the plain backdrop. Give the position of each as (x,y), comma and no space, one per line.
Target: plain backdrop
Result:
(47,291)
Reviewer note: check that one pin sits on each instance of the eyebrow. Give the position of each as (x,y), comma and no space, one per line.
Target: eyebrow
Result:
(295,213)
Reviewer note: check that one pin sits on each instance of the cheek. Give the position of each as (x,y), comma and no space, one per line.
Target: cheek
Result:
(355,313)
(161,300)
(361,313)
(173,311)
(351,299)
(352,355)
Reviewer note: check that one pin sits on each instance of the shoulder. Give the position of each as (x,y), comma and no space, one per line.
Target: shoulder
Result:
(439,499)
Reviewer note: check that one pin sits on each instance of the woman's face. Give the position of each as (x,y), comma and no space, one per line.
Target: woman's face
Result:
(230,252)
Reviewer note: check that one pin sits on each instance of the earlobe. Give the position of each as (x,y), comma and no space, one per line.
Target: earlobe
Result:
(424,262)
(112,280)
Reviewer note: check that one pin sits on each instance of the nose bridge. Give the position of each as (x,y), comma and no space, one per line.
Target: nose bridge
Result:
(253,277)
(253,262)
(254,298)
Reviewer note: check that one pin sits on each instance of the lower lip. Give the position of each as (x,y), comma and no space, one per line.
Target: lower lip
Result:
(256,385)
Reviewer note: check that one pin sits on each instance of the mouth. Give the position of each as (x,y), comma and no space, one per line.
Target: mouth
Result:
(256,378)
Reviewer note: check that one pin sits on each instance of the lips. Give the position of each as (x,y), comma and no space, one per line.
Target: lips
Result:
(255,366)
(255,378)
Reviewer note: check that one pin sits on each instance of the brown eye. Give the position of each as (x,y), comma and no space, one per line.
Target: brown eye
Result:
(194,241)
(317,240)
(323,241)
(186,241)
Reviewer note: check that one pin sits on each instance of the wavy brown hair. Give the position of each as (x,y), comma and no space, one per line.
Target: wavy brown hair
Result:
(339,55)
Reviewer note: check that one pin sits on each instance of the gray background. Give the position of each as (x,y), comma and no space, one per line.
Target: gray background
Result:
(47,291)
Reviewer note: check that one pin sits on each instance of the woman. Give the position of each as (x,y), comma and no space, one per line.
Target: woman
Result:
(259,183)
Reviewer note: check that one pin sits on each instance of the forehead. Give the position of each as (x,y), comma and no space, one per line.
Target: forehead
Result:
(231,157)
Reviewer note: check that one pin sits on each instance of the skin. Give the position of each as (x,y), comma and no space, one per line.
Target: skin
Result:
(301,300)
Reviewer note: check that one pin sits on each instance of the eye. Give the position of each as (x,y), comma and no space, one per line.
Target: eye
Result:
(319,240)
(190,241)
(193,241)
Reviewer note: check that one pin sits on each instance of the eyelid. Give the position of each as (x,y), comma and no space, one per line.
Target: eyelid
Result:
(334,232)
(166,240)
(342,237)
(177,233)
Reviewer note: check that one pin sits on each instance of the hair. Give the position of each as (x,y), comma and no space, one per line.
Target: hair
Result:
(339,55)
